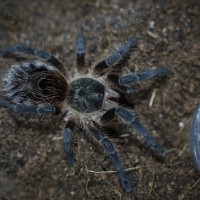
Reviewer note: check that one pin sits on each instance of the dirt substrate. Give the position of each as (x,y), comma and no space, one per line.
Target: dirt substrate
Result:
(32,162)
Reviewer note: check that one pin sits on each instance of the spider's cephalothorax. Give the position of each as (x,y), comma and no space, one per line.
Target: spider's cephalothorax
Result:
(86,95)
(41,87)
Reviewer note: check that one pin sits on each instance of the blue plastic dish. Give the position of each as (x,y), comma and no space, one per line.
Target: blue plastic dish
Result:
(195,137)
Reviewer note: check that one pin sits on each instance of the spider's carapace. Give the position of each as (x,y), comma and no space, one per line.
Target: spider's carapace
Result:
(86,95)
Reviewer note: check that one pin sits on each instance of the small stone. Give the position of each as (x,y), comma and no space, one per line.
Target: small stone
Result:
(152,24)
(181,124)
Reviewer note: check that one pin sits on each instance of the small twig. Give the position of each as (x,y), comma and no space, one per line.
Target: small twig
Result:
(115,191)
(127,170)
(152,183)
(194,184)
(182,150)
(152,97)
(59,158)
(86,185)
(171,150)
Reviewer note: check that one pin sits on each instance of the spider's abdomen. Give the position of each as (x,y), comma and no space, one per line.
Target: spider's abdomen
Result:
(35,82)
(86,95)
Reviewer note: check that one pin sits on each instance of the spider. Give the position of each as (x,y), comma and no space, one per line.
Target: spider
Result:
(38,85)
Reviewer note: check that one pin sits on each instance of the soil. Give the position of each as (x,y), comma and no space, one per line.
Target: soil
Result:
(32,162)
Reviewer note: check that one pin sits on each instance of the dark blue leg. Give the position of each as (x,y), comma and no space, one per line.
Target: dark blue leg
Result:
(140,76)
(80,51)
(131,118)
(108,115)
(32,51)
(4,104)
(43,110)
(67,141)
(116,56)
(120,88)
(109,148)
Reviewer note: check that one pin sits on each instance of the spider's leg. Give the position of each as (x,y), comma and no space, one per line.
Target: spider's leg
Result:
(110,149)
(4,104)
(40,110)
(116,56)
(126,90)
(137,76)
(114,78)
(67,141)
(35,52)
(131,118)
(80,51)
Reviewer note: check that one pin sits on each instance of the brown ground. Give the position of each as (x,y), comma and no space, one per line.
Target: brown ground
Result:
(32,164)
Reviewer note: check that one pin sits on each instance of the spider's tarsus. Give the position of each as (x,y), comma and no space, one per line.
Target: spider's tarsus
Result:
(126,183)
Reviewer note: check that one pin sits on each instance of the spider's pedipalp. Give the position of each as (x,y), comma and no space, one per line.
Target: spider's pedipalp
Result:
(116,56)
(110,149)
(80,52)
(35,52)
(141,76)
(131,118)
(67,141)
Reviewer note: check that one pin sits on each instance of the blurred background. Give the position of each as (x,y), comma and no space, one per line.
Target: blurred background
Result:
(32,163)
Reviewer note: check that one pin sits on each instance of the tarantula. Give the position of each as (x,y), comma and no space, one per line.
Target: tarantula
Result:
(40,86)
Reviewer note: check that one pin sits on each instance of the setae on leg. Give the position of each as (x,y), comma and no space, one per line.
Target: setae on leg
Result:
(67,141)
(40,110)
(136,77)
(35,52)
(80,51)
(131,118)
(109,148)
(116,56)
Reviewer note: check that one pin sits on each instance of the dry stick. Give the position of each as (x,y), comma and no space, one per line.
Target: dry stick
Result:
(152,182)
(152,97)
(127,170)
(87,181)
(182,150)
(116,191)
(194,184)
